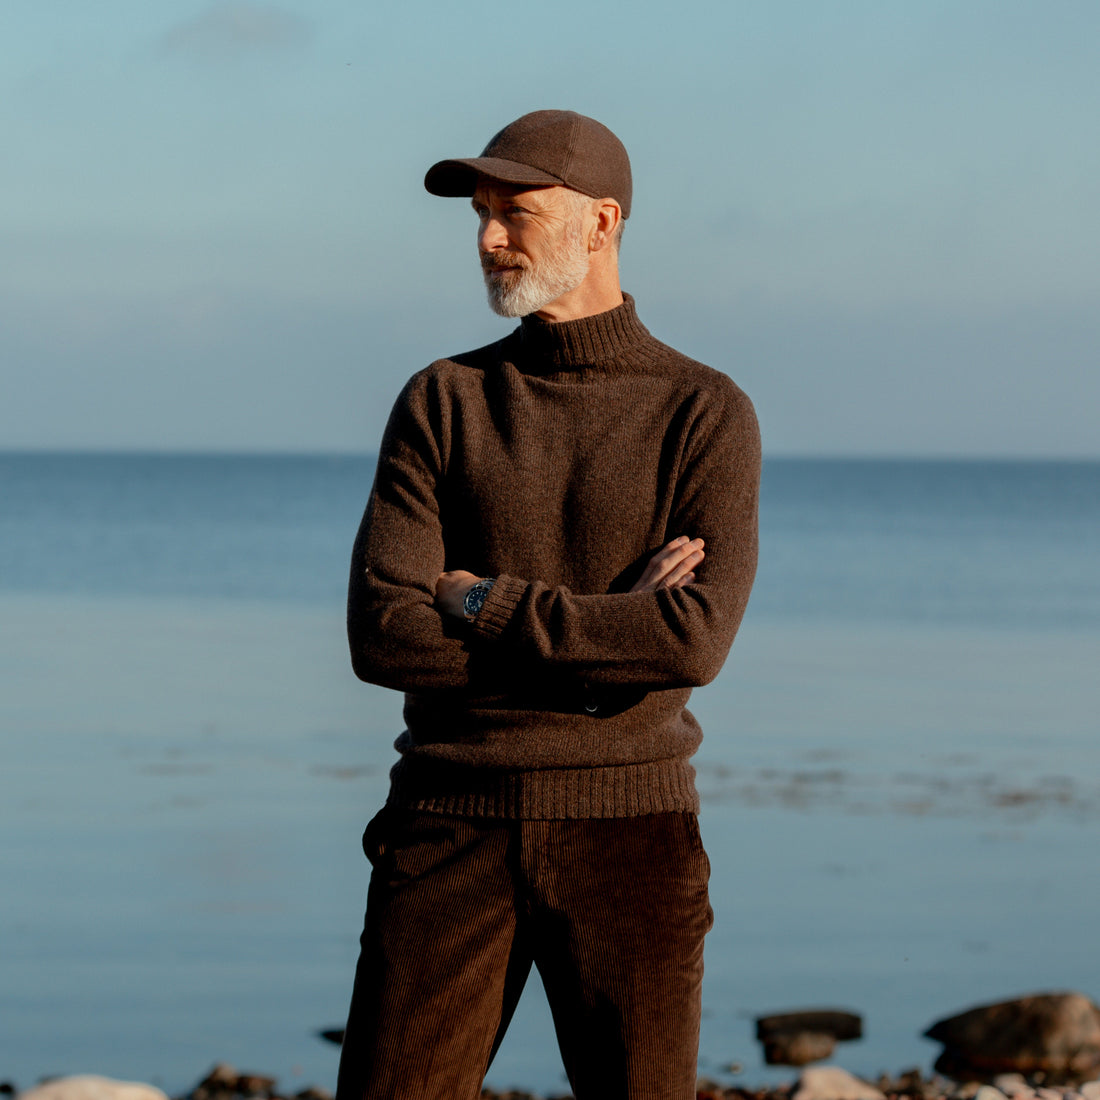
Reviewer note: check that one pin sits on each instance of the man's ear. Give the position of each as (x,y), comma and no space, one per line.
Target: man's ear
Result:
(608,216)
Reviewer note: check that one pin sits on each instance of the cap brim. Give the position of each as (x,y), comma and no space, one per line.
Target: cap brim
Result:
(458,178)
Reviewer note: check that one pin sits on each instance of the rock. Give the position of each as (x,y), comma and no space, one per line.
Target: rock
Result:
(706,1089)
(831,1021)
(91,1087)
(911,1083)
(833,1083)
(798,1048)
(1090,1090)
(796,1038)
(222,1078)
(1056,1034)
(223,1082)
(988,1092)
(965,1091)
(1013,1085)
(253,1084)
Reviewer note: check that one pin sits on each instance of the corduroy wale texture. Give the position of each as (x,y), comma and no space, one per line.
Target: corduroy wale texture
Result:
(558,460)
(611,912)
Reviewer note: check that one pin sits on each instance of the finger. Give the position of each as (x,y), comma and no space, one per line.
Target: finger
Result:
(679,555)
(658,567)
(670,549)
(675,576)
(668,556)
(669,560)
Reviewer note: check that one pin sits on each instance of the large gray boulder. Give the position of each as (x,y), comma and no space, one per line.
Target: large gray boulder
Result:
(1056,1034)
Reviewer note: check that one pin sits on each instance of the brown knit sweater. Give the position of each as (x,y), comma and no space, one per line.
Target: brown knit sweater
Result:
(558,460)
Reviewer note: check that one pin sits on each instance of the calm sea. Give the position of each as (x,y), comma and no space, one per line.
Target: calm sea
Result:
(901,771)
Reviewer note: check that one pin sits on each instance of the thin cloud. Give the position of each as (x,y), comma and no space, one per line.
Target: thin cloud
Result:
(235,28)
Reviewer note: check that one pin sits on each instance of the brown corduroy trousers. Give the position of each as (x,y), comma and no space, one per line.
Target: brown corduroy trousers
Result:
(611,911)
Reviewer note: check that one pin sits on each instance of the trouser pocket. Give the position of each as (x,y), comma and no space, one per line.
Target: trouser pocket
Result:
(374,837)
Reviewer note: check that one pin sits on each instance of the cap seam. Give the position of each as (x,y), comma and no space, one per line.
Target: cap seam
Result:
(574,129)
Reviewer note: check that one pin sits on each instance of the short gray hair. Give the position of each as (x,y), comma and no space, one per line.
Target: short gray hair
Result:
(580,201)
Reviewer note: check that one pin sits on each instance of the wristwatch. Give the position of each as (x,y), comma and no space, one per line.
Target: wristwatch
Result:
(475,597)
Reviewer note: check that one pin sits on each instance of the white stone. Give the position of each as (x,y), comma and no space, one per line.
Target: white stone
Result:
(988,1092)
(1090,1090)
(833,1083)
(90,1087)
(1013,1085)
(966,1091)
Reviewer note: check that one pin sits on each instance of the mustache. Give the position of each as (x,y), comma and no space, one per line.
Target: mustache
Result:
(497,261)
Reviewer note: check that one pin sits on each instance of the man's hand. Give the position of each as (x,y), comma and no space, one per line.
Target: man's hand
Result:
(451,589)
(672,565)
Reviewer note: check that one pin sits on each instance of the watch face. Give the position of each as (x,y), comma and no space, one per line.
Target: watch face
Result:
(473,600)
(475,597)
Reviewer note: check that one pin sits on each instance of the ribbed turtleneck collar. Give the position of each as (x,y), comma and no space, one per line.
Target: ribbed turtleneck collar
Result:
(587,341)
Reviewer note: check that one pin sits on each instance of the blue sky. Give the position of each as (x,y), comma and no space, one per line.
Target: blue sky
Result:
(880,217)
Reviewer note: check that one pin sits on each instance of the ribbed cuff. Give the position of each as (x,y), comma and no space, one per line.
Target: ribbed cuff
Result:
(499,606)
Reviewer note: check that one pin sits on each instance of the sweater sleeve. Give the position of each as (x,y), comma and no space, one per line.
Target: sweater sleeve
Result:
(671,637)
(397,637)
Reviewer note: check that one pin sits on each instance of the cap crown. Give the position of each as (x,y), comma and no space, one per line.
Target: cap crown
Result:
(541,149)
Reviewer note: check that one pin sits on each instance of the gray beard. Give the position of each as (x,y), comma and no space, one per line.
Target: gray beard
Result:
(535,285)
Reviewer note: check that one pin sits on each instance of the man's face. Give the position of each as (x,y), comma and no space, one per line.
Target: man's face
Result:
(533,245)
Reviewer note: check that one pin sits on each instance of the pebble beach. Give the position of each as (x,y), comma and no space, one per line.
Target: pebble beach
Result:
(223,1082)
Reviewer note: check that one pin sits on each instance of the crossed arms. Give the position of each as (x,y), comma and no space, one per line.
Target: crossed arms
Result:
(672,566)
(671,628)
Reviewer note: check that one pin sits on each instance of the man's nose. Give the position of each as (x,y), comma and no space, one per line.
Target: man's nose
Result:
(492,236)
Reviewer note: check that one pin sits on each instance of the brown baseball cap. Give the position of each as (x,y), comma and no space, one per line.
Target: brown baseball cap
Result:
(543,149)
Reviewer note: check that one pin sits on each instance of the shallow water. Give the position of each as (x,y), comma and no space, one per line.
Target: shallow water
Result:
(900,773)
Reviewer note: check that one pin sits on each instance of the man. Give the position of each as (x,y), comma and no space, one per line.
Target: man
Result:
(558,546)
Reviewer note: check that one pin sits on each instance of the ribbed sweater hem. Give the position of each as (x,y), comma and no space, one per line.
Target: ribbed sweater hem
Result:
(632,790)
